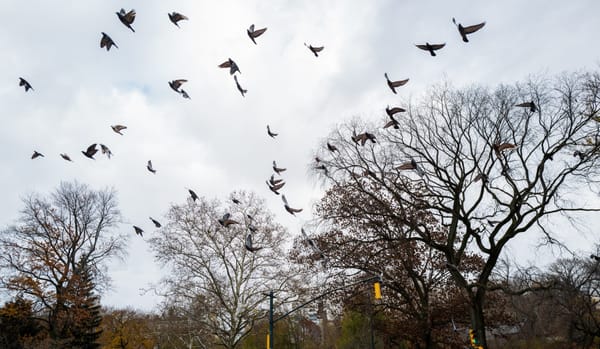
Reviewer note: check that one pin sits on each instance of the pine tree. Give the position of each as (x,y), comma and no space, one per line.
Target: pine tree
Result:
(85,311)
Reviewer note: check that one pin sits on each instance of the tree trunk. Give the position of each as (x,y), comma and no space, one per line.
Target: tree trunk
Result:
(477,319)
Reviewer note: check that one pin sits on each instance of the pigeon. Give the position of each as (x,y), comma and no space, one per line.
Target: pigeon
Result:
(156,223)
(25,84)
(278,170)
(176,17)
(431,47)
(90,151)
(36,154)
(253,34)
(312,244)
(363,138)
(193,195)
(274,181)
(315,50)
(239,87)
(292,211)
(126,18)
(248,244)
(275,187)
(500,147)
(66,157)
(118,128)
(271,133)
(139,231)
(106,151)
(411,165)
(107,42)
(393,122)
(332,148)
(233,67)
(393,84)
(150,168)
(532,107)
(464,31)
(393,111)
(227,221)
(176,84)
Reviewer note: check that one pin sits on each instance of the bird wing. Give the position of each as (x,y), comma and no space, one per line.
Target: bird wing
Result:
(317,49)
(406,166)
(423,47)
(226,64)
(437,46)
(91,149)
(526,105)
(473,28)
(284,200)
(259,32)
(178,17)
(390,123)
(248,243)
(399,82)
(130,16)
(149,164)
(395,110)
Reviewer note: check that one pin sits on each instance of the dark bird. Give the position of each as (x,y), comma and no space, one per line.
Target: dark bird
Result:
(275,187)
(106,151)
(176,17)
(431,48)
(185,94)
(481,177)
(139,231)
(107,42)
(312,244)
(575,154)
(176,84)
(274,181)
(36,154)
(292,211)
(393,122)
(236,201)
(156,223)
(315,50)
(332,148)
(118,128)
(149,167)
(193,195)
(233,67)
(363,138)
(393,111)
(227,221)
(464,31)
(24,83)
(253,34)
(126,18)
(90,151)
(239,87)
(66,157)
(271,133)
(278,170)
(248,244)
(321,167)
(594,257)
(411,165)
(532,107)
(393,84)
(500,147)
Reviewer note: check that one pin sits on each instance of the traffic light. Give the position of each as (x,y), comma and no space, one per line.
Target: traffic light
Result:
(377,287)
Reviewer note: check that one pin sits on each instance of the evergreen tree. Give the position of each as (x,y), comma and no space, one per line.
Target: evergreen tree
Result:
(85,312)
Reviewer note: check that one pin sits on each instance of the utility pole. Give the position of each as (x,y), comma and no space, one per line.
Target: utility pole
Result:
(270,337)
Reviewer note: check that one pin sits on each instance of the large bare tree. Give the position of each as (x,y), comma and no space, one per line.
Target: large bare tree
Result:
(41,256)
(210,264)
(485,168)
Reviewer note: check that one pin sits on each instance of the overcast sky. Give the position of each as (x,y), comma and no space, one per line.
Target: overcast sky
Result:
(217,142)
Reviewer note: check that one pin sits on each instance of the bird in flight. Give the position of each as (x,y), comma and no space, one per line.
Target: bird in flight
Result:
(106,151)
(156,223)
(312,244)
(193,195)
(253,34)
(176,17)
(315,50)
(107,42)
(36,155)
(464,31)
(393,84)
(239,87)
(275,185)
(393,111)
(292,211)
(233,67)
(24,83)
(431,47)
(271,133)
(278,170)
(332,148)
(500,147)
(176,84)
(149,167)
(227,221)
(90,151)
(118,128)
(363,138)
(393,122)
(532,107)
(139,231)
(66,157)
(126,18)
(248,244)
(411,165)
(236,201)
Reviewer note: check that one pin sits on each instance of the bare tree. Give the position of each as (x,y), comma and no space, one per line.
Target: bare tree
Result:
(41,254)
(486,169)
(205,249)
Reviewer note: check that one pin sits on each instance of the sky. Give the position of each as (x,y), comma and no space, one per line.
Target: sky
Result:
(216,142)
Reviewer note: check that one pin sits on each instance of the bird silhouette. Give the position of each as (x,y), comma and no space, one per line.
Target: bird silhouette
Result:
(233,67)
(393,84)
(312,244)
(107,42)
(126,18)
(411,165)
(239,87)
(176,17)
(106,151)
(248,244)
(274,181)
(253,34)
(393,122)
(149,167)
(576,153)
(185,94)
(66,157)
(315,50)
(363,138)
(236,201)
(532,107)
(500,147)
(193,195)
(36,155)
(292,211)
(25,84)
(332,148)
(464,31)
(227,221)
(176,84)
(431,47)
(156,223)
(90,151)
(139,231)
(271,133)
(275,187)
(278,170)
(118,128)
(481,177)
(393,111)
